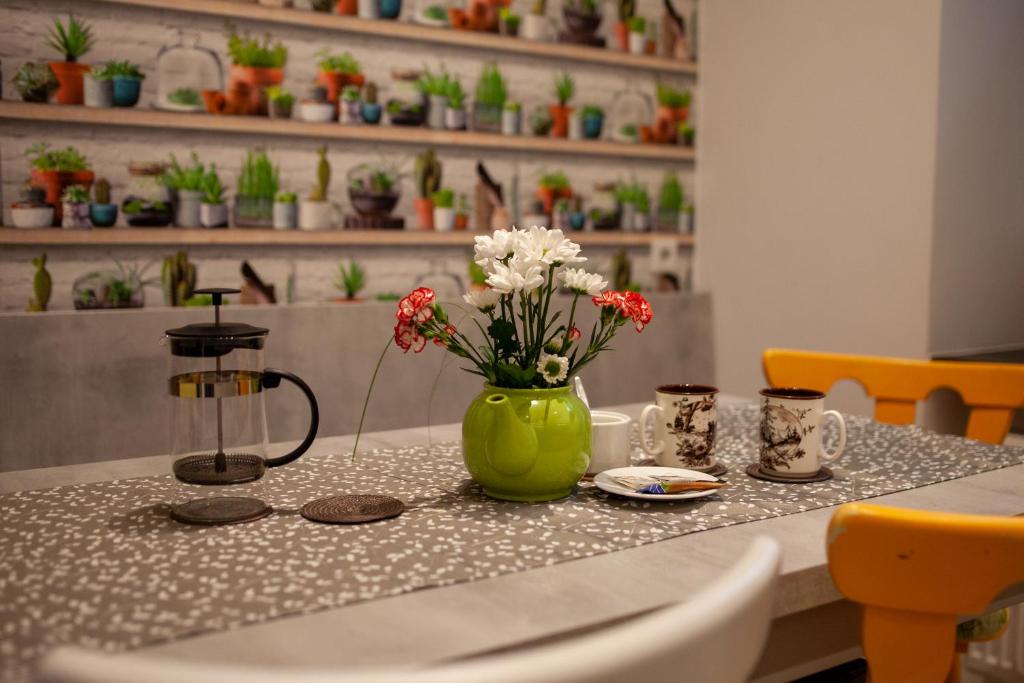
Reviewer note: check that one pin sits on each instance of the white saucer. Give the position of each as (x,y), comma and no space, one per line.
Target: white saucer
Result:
(604,481)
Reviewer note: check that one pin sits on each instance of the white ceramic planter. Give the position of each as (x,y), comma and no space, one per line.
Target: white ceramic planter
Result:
(444,219)
(510,122)
(455,119)
(627,222)
(534,27)
(188,208)
(316,112)
(285,215)
(350,112)
(213,215)
(31,217)
(318,215)
(576,126)
(97,92)
(369,9)
(76,216)
(436,112)
(641,221)
(637,43)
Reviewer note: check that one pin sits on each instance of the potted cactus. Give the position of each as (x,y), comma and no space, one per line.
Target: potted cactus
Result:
(491,94)
(535,24)
(428,181)
(279,102)
(370,108)
(177,279)
(351,280)
(213,212)
(75,201)
(444,209)
(72,41)
(286,214)
(510,118)
(186,186)
(336,72)
(42,286)
(57,169)
(257,185)
(455,113)
(627,8)
(35,82)
(316,212)
(349,108)
(102,212)
(32,211)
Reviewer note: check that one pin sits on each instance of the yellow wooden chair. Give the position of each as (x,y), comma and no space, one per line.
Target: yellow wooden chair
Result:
(915,572)
(992,391)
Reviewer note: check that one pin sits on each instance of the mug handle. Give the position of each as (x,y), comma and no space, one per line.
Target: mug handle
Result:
(658,446)
(834,455)
(271,379)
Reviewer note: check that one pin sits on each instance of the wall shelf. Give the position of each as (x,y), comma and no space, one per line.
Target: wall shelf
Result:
(248,237)
(400,135)
(401,30)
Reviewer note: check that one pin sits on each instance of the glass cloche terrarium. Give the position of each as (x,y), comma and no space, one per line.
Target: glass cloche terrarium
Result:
(184,70)
(632,110)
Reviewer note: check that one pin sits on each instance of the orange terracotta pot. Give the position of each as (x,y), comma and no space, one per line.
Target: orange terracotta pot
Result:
(347,7)
(335,82)
(559,120)
(665,132)
(483,15)
(548,196)
(458,19)
(214,101)
(238,100)
(646,134)
(461,221)
(664,114)
(682,113)
(621,32)
(257,78)
(55,182)
(424,212)
(69,77)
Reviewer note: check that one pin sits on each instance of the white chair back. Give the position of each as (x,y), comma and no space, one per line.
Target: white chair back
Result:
(717,636)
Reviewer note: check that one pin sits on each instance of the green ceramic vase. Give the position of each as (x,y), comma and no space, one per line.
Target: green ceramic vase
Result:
(526,445)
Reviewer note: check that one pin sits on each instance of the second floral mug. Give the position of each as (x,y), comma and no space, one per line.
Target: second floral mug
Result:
(791,421)
(684,420)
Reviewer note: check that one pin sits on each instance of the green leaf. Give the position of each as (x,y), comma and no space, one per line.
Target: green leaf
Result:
(503,333)
(513,376)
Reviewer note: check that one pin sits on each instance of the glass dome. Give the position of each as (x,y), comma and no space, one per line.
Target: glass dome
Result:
(184,71)
(631,111)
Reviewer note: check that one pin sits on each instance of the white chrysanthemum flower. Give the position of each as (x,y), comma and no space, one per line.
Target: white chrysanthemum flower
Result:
(582,282)
(489,250)
(515,276)
(552,368)
(549,247)
(483,299)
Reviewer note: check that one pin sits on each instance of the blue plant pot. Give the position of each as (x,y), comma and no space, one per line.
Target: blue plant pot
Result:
(371,112)
(390,9)
(102,215)
(592,126)
(577,220)
(126,90)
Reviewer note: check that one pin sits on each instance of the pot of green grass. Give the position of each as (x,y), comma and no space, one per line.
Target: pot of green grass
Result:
(186,184)
(257,186)
(490,97)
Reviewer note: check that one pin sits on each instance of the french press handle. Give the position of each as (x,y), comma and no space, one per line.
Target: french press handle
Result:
(271,379)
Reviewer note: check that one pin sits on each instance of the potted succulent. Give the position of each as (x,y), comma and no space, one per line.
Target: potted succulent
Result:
(102,211)
(373,189)
(403,113)
(670,202)
(621,29)
(577,219)
(491,94)
(510,119)
(389,9)
(535,24)
(462,213)
(434,88)
(279,102)
(582,19)
(257,186)
(553,186)
(351,280)
(186,186)
(72,41)
(146,213)
(428,181)
(564,90)
(540,121)
(317,212)
(593,121)
(42,286)
(688,212)
(637,35)
(444,209)
(286,212)
(98,89)
(560,214)
(213,212)
(686,134)
(455,112)
(126,82)
(32,211)
(635,207)
(317,108)
(350,108)
(35,82)
(255,65)
(123,288)
(75,202)
(508,22)
(57,169)
(370,108)
(673,108)
(337,71)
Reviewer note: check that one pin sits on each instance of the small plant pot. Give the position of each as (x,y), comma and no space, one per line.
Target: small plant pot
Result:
(246,86)
(641,221)
(592,125)
(461,221)
(214,101)
(369,204)
(368,9)
(637,43)
(103,215)
(126,90)
(559,120)
(314,215)
(316,112)
(254,212)
(32,217)
(334,82)
(487,117)
(444,219)
(455,119)
(213,215)
(55,182)
(510,122)
(187,208)
(627,217)
(370,112)
(580,24)
(548,196)
(576,126)
(560,220)
(424,212)
(280,109)
(436,112)
(76,216)
(98,92)
(389,9)
(348,8)
(535,27)
(350,112)
(621,32)
(286,215)
(508,28)
(577,220)
(70,77)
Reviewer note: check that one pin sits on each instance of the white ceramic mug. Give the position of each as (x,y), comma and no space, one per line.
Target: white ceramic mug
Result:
(791,431)
(684,421)
(609,441)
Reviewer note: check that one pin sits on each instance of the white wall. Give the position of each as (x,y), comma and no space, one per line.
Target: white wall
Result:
(816,178)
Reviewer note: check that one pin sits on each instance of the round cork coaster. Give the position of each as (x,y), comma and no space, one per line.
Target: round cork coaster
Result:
(754,470)
(352,509)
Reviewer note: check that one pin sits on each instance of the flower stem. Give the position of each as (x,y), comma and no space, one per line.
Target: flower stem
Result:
(366,402)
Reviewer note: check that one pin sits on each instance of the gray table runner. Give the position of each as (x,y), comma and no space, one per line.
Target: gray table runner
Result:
(102,566)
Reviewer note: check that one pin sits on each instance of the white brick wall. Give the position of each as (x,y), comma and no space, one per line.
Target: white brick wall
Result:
(137,34)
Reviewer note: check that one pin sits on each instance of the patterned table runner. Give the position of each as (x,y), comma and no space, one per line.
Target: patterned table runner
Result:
(102,566)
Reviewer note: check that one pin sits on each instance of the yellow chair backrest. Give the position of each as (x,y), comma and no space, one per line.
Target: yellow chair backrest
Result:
(992,391)
(915,572)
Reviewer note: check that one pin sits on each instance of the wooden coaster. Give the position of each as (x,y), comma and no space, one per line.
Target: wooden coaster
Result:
(754,470)
(352,509)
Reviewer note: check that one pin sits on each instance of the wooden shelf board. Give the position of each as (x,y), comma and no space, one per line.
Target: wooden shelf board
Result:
(249,237)
(401,30)
(255,125)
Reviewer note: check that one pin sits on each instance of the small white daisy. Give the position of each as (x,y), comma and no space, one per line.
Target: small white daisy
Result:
(553,368)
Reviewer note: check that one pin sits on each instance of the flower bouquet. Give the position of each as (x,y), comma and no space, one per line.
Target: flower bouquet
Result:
(526,436)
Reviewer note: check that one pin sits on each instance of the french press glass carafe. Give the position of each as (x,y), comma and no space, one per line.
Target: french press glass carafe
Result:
(219,422)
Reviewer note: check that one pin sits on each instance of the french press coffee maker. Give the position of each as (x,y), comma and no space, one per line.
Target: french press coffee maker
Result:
(219,421)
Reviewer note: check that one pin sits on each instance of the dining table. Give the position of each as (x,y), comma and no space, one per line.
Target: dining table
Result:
(90,557)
